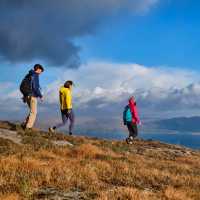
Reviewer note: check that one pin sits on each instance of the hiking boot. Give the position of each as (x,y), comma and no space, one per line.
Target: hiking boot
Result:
(52,129)
(131,138)
(130,142)
(70,133)
(28,129)
(127,140)
(23,126)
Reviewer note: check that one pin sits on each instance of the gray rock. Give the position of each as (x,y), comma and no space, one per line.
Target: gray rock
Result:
(62,143)
(10,135)
(55,194)
(16,138)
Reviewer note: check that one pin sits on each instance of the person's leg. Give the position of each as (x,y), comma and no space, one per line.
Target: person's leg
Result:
(130,138)
(130,129)
(32,103)
(27,100)
(64,120)
(71,124)
(135,130)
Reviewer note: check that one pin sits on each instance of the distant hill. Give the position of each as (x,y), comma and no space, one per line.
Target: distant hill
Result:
(191,124)
(38,165)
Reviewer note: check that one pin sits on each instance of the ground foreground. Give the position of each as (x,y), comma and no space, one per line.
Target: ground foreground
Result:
(37,165)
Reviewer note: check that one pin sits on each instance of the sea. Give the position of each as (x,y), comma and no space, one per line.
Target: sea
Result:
(190,140)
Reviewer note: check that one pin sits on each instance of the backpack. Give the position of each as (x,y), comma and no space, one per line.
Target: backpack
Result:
(26,85)
(127,115)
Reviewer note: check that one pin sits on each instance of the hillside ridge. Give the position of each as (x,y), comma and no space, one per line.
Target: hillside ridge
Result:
(40,165)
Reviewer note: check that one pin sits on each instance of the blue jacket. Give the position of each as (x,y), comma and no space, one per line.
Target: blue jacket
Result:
(35,84)
(127,115)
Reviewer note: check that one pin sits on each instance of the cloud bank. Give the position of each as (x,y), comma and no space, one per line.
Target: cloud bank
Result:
(45,30)
(103,88)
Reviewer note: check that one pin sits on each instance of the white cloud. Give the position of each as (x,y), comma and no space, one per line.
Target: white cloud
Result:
(8,91)
(112,83)
(102,87)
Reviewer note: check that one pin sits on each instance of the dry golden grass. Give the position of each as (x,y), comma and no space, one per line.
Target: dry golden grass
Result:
(100,170)
(11,197)
(124,193)
(176,194)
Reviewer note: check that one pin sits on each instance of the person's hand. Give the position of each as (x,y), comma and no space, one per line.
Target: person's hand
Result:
(69,111)
(42,99)
(140,123)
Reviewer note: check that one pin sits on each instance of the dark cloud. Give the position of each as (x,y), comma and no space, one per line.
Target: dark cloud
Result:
(45,29)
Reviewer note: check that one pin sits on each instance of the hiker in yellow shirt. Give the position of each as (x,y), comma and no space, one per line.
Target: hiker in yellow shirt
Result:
(65,95)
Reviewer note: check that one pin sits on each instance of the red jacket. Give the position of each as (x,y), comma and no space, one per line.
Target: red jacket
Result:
(133,108)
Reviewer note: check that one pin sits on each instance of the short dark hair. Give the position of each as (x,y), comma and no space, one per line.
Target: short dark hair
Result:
(68,83)
(38,66)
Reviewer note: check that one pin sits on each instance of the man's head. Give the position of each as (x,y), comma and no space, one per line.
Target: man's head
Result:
(38,68)
(68,84)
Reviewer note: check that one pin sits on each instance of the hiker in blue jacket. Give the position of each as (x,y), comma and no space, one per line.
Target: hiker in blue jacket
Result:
(30,88)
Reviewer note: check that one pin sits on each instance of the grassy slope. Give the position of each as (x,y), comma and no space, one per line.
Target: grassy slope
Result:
(97,169)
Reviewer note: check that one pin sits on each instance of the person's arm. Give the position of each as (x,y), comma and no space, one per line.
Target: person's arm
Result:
(136,115)
(134,111)
(36,86)
(68,99)
(124,116)
(60,98)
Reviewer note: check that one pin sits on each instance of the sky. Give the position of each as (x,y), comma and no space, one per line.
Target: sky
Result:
(111,49)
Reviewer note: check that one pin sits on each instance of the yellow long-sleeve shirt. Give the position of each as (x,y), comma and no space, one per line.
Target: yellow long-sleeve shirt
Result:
(65,98)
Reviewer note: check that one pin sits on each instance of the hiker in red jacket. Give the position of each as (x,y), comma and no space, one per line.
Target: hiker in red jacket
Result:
(131,119)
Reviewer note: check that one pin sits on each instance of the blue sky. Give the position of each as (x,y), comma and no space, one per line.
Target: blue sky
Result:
(167,35)
(145,48)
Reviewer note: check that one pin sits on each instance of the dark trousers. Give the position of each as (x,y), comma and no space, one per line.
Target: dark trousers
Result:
(132,128)
(65,116)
